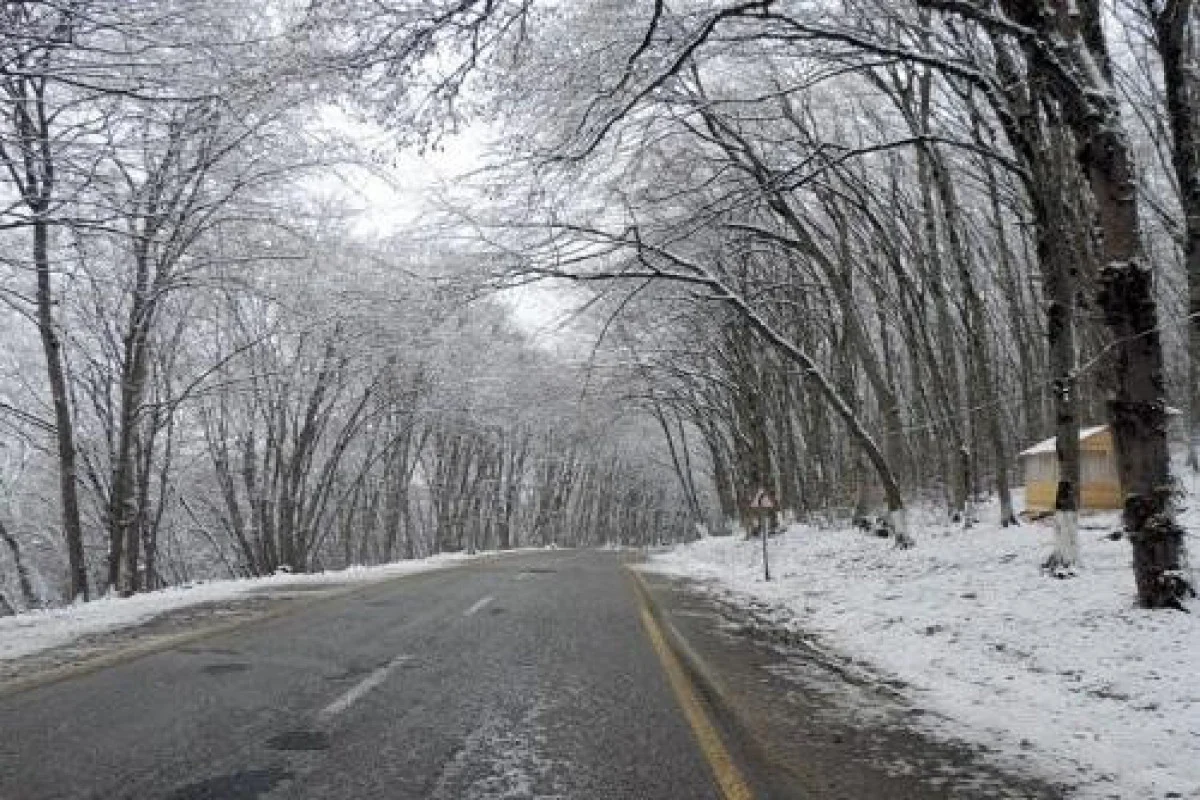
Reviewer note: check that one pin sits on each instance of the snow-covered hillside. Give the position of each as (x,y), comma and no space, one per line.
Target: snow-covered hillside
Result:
(1067,674)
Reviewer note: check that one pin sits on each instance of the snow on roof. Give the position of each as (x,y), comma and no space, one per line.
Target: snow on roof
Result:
(1048,445)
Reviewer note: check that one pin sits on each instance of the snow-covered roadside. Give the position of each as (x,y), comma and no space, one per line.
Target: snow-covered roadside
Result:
(35,631)
(1067,674)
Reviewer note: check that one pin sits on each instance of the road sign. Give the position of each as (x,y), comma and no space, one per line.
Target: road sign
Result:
(762,501)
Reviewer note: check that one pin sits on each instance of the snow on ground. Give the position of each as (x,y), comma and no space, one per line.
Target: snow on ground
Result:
(1067,673)
(35,631)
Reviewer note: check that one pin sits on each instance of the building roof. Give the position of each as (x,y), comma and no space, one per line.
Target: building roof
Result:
(1048,445)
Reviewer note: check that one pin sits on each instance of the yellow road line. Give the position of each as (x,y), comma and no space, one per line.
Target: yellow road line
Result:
(729,778)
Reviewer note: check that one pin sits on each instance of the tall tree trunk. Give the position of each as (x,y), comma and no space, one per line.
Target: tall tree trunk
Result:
(977,339)
(1137,406)
(721,474)
(26,584)
(123,512)
(944,364)
(897,510)
(1007,268)
(1175,31)
(679,461)
(63,423)
(1060,287)
(1037,134)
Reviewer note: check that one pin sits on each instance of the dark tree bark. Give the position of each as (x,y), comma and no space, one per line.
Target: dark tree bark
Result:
(1175,28)
(1137,407)
(63,422)
(30,157)
(23,579)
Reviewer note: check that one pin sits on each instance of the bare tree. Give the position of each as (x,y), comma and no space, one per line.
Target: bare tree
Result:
(36,150)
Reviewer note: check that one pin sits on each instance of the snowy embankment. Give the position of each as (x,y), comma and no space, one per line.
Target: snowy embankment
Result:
(35,631)
(1067,675)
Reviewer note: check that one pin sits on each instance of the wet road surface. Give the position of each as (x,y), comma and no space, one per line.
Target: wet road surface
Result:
(529,675)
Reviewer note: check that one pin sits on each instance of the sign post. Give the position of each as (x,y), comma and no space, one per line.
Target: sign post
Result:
(763,504)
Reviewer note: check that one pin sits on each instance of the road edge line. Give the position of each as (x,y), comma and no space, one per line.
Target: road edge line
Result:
(729,778)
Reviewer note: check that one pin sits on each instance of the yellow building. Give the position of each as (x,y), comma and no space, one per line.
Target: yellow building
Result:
(1099,486)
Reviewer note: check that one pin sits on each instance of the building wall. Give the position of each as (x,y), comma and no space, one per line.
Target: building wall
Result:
(1101,495)
(1098,473)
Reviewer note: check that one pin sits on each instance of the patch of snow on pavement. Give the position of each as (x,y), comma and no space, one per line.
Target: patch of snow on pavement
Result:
(1069,674)
(502,759)
(34,631)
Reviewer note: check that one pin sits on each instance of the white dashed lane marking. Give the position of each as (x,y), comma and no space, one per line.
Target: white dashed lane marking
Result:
(478,605)
(360,689)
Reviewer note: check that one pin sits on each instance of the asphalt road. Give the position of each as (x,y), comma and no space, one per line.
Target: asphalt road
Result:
(531,675)
(523,676)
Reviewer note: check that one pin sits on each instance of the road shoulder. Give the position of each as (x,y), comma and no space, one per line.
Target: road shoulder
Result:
(809,723)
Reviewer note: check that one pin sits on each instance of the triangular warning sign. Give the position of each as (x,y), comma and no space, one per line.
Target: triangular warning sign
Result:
(762,501)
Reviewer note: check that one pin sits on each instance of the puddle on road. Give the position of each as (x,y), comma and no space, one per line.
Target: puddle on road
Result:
(301,741)
(246,785)
(224,669)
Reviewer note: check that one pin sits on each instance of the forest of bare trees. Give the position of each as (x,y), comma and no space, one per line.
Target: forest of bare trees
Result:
(855,253)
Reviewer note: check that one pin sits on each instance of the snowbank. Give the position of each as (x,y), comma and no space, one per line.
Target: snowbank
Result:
(1068,674)
(34,631)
